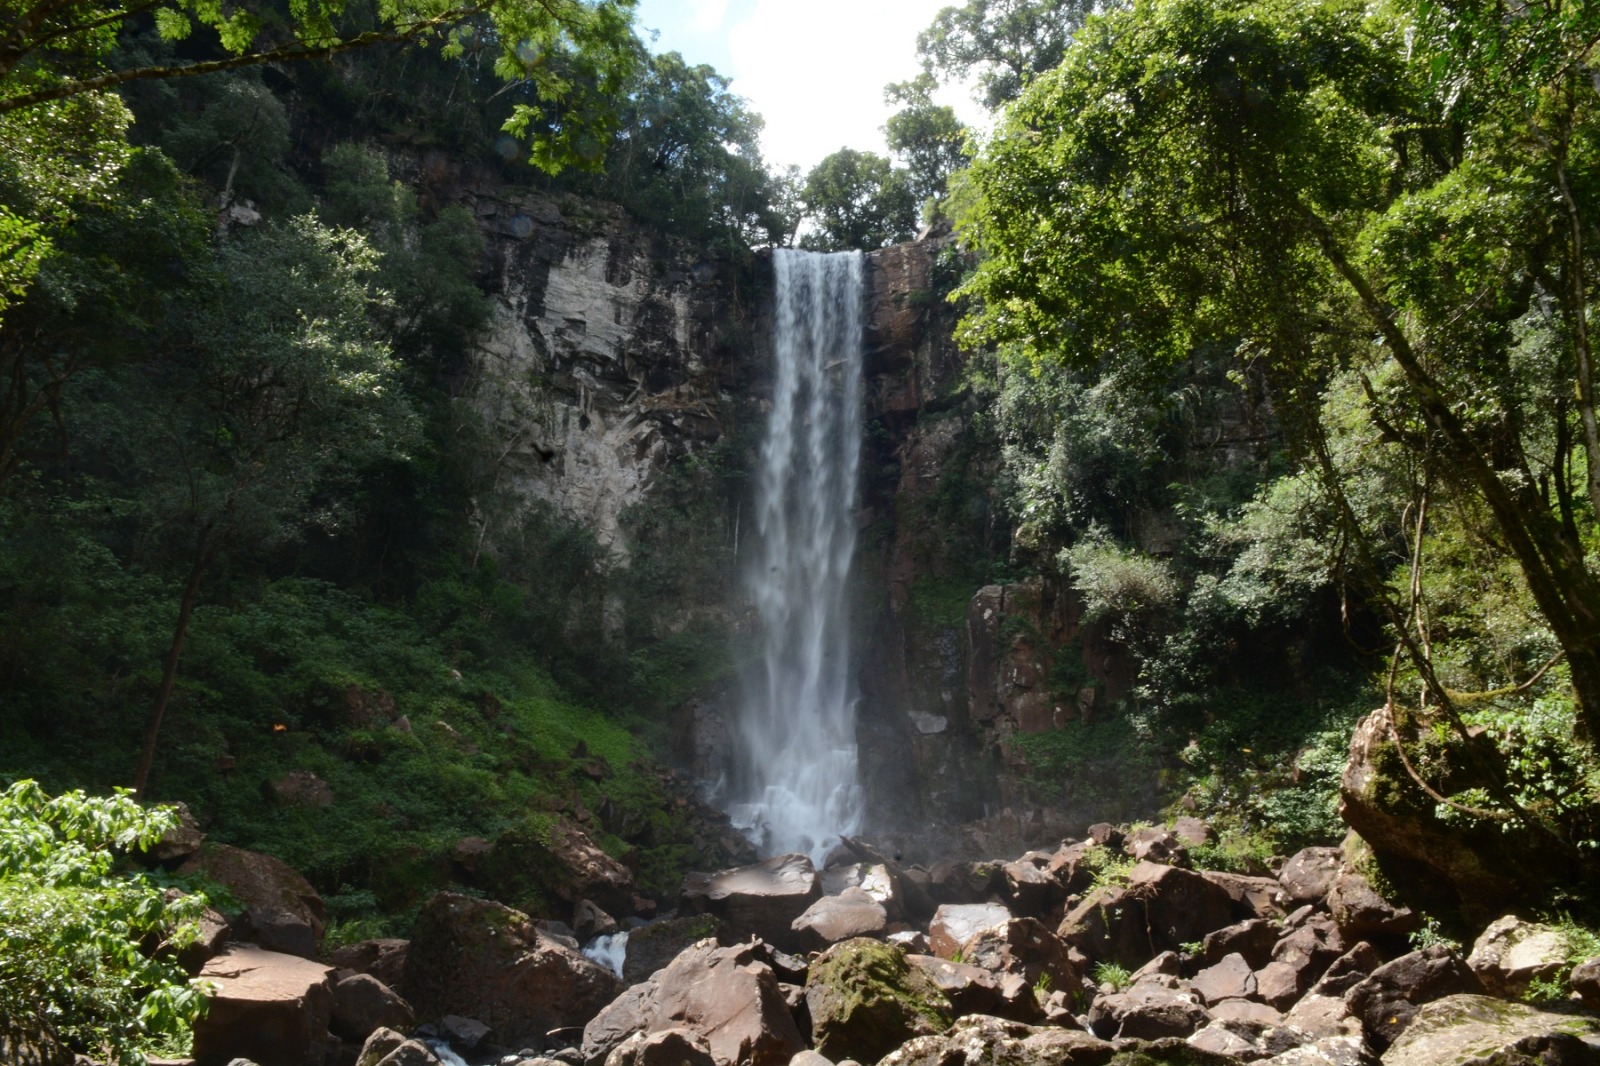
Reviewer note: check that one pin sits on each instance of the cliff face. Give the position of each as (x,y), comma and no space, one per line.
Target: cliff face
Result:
(615,353)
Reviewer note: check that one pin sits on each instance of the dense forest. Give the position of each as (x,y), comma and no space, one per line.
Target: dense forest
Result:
(1277,359)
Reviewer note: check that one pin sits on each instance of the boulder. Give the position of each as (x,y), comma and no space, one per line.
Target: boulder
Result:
(1025,947)
(650,947)
(727,996)
(1253,897)
(483,960)
(974,990)
(267,1006)
(179,843)
(866,1000)
(1348,970)
(213,935)
(1465,1030)
(281,910)
(1510,954)
(1585,981)
(301,788)
(1328,1051)
(666,1047)
(378,1047)
(409,1053)
(874,879)
(960,882)
(762,899)
(956,923)
(1147,1011)
(1161,908)
(829,920)
(1254,939)
(979,1040)
(1156,844)
(384,959)
(1361,911)
(1032,891)
(1309,873)
(1317,1016)
(362,1004)
(1231,978)
(1068,865)
(1299,958)
(589,920)
(466,1035)
(1386,1001)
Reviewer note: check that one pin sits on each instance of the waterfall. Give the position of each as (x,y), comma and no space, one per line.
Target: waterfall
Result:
(795,743)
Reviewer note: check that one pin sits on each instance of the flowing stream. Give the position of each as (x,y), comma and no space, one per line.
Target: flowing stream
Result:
(796,786)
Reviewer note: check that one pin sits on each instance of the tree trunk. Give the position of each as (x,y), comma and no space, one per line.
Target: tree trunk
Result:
(169,671)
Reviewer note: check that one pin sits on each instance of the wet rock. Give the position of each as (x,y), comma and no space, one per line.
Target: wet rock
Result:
(1254,939)
(979,1040)
(362,1004)
(763,899)
(727,996)
(1309,873)
(1361,911)
(956,923)
(1231,978)
(281,909)
(1464,1030)
(1386,1001)
(666,1047)
(1510,954)
(269,1007)
(852,913)
(483,960)
(1147,1011)
(466,1035)
(866,1000)
(974,990)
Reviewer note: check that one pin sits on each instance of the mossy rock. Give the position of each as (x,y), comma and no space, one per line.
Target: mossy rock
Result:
(866,1000)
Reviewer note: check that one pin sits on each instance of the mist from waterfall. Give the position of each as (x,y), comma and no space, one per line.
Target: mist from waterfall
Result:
(796,787)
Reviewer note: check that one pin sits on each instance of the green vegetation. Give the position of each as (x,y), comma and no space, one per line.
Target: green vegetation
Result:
(1110,973)
(72,927)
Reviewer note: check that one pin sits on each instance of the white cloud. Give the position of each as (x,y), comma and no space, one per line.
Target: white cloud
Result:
(708,14)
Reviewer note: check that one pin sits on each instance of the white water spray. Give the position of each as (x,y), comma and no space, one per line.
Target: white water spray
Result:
(796,756)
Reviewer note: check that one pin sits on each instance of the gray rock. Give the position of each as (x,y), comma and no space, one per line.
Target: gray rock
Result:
(1467,1030)
(1229,979)
(1147,1011)
(979,1040)
(1309,873)
(1386,1001)
(956,923)
(1329,1051)
(1510,954)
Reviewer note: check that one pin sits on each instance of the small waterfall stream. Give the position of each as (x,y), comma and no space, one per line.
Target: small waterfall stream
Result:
(797,787)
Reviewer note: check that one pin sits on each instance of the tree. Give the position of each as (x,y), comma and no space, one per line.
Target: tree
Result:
(1294,179)
(1000,43)
(857,200)
(73,963)
(926,136)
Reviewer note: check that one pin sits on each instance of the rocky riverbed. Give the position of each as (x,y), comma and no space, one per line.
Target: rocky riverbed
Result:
(1108,949)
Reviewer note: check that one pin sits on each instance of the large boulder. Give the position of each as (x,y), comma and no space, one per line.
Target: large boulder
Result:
(727,996)
(667,1047)
(979,1040)
(1511,954)
(1150,1010)
(362,1005)
(384,958)
(865,1000)
(653,946)
(1023,946)
(282,912)
(1362,911)
(1299,958)
(850,914)
(1161,909)
(266,1006)
(954,924)
(1585,982)
(1309,873)
(483,960)
(974,990)
(1386,1001)
(1466,1030)
(763,898)
(1253,897)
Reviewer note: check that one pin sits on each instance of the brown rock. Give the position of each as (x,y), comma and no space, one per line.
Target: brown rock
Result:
(1253,897)
(1191,831)
(1032,891)
(282,911)
(831,919)
(486,961)
(268,1007)
(874,879)
(1254,939)
(362,1005)
(1025,947)
(1317,1016)
(727,996)
(1511,954)
(762,899)
(1386,1001)
(588,920)
(1160,909)
(1229,979)
(379,1046)
(1156,844)
(960,882)
(1348,970)
(1245,1011)
(409,1053)
(1309,873)
(1147,1011)
(1361,911)
(979,1039)
(956,923)
(1585,981)
(1298,959)
(214,933)
(665,1047)
(384,958)
(974,990)
(1068,867)
(653,946)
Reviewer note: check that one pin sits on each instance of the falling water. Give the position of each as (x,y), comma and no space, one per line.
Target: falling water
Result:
(796,738)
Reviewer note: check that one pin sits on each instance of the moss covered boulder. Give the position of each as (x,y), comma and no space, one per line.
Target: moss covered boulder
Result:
(866,1000)
(1466,1029)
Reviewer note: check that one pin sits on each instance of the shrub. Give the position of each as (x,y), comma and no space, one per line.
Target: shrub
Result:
(72,927)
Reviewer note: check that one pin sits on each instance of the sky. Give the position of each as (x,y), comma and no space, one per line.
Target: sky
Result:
(813,69)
